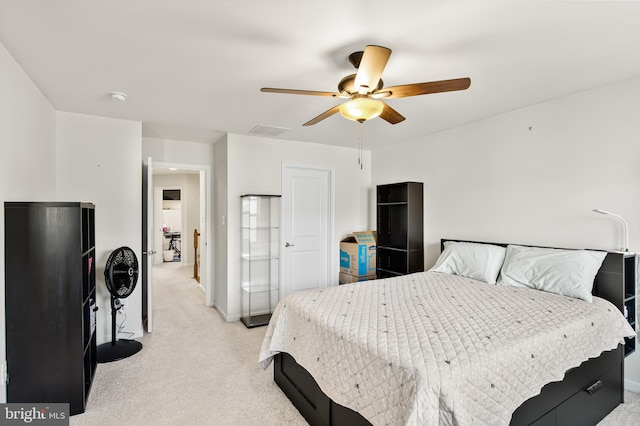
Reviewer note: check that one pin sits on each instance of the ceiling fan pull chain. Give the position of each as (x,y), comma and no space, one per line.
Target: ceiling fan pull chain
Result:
(360,144)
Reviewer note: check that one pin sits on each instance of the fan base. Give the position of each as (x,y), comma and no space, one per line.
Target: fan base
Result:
(115,351)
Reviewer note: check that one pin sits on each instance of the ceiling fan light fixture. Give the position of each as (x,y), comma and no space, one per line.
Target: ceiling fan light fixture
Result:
(361,109)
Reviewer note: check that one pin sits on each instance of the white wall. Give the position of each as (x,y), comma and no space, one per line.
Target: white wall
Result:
(28,144)
(98,160)
(175,151)
(254,165)
(532,176)
(172,213)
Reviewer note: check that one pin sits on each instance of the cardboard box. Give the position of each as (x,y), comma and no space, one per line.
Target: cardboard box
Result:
(349,279)
(358,254)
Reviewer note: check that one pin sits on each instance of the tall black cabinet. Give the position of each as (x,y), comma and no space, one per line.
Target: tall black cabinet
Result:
(50,298)
(400,246)
(616,282)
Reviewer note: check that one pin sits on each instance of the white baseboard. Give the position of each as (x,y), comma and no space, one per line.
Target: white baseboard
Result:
(632,386)
(224,315)
(136,333)
(124,334)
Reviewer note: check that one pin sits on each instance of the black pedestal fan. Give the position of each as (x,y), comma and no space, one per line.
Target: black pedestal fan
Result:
(120,275)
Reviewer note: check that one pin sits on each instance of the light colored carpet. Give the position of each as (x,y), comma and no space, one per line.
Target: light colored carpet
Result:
(194,369)
(197,369)
(627,414)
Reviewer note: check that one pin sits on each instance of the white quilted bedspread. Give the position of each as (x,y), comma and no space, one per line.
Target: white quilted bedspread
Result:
(437,349)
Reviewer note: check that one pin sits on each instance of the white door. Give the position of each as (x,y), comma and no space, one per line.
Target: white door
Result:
(147,244)
(307,204)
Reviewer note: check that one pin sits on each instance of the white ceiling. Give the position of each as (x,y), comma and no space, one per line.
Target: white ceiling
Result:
(193,69)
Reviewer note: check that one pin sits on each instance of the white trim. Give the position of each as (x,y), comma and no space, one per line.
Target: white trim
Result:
(224,315)
(632,386)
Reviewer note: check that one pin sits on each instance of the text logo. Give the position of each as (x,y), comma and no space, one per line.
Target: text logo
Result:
(34,414)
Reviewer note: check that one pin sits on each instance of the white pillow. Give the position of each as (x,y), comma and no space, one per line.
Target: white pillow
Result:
(472,260)
(567,272)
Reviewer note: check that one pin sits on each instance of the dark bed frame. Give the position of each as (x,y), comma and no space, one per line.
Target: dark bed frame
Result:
(584,397)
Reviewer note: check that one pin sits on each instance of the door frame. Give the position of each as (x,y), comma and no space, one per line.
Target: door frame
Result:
(206,281)
(148,249)
(331,252)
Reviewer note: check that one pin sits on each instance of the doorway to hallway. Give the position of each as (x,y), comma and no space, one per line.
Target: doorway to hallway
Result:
(179,210)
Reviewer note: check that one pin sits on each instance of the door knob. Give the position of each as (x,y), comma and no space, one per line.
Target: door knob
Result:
(288,245)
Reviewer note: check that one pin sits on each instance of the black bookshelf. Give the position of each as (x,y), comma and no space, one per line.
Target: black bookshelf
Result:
(629,308)
(400,229)
(50,295)
(616,282)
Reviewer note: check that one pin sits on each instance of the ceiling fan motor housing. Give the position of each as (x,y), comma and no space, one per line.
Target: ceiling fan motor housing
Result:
(347,85)
(355,58)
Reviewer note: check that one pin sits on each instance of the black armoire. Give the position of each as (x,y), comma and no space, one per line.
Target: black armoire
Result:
(50,298)
(400,228)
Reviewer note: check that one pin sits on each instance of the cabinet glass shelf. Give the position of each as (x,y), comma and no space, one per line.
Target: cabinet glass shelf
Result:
(258,257)
(257,288)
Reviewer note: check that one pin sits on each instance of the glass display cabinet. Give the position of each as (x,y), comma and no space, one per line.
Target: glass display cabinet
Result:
(260,252)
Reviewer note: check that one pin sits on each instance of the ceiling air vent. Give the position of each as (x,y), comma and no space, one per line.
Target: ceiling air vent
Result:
(263,130)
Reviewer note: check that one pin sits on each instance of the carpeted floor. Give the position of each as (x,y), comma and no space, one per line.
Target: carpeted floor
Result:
(193,369)
(627,414)
(197,369)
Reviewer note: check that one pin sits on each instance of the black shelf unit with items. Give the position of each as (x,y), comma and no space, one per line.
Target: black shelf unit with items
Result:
(619,270)
(400,229)
(629,308)
(50,295)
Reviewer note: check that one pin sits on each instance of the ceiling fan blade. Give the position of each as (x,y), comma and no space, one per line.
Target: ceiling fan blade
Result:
(299,92)
(426,88)
(373,61)
(326,114)
(391,115)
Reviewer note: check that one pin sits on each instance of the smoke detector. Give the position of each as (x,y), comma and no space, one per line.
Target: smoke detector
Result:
(118,96)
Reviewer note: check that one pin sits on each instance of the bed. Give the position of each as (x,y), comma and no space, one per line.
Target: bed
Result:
(449,348)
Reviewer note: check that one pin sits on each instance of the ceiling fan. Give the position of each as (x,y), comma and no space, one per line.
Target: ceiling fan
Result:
(364,89)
